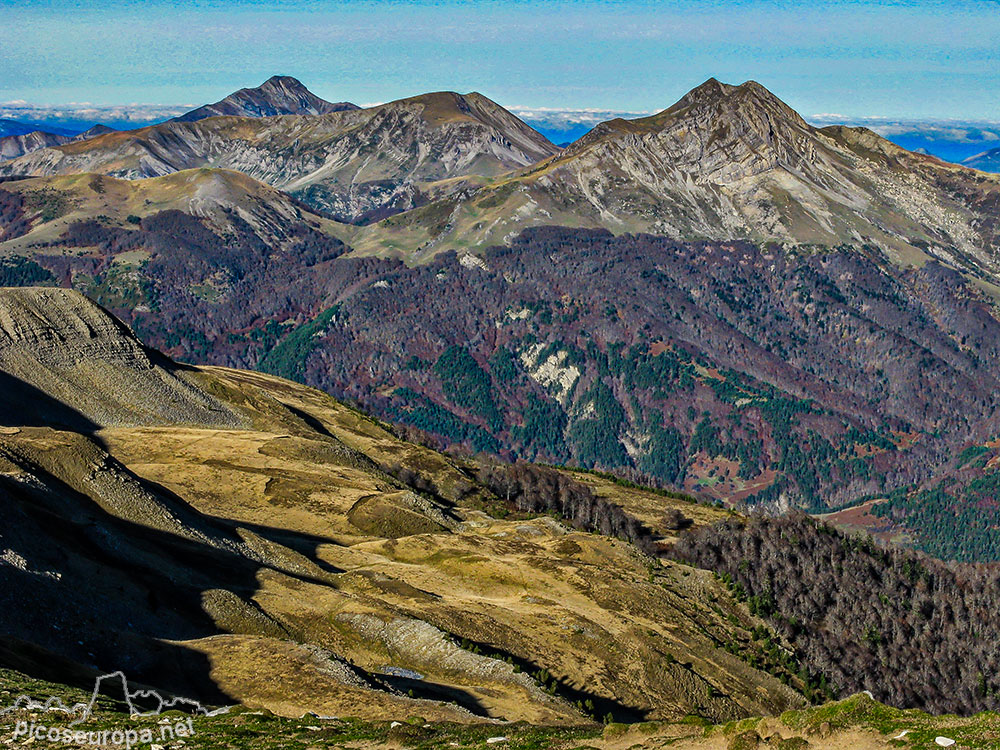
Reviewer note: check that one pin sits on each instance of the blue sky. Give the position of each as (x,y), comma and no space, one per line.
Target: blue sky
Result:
(897,59)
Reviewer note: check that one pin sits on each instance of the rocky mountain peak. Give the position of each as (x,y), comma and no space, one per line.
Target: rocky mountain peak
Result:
(718,133)
(278,95)
(717,116)
(287,83)
(711,89)
(483,126)
(724,103)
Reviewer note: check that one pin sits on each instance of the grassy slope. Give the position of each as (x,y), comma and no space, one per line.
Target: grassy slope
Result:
(526,589)
(521,618)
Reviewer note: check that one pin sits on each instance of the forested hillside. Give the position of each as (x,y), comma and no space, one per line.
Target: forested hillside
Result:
(726,369)
(912,630)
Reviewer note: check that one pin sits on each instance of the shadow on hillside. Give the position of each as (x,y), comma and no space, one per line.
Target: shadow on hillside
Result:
(93,592)
(24,405)
(303,543)
(104,593)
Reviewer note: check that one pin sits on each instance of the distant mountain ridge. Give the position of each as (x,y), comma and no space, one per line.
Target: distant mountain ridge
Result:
(724,162)
(278,95)
(357,165)
(988,161)
(12,146)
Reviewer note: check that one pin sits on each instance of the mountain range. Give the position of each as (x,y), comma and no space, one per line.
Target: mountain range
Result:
(278,95)
(230,537)
(724,162)
(407,415)
(353,164)
(719,297)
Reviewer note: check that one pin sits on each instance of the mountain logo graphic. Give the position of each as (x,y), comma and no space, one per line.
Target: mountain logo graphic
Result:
(134,699)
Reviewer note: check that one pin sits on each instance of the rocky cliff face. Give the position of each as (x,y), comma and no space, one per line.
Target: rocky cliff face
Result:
(278,95)
(355,164)
(13,146)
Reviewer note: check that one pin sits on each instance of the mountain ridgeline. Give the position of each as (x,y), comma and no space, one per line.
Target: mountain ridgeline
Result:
(988,161)
(278,95)
(18,144)
(357,165)
(718,298)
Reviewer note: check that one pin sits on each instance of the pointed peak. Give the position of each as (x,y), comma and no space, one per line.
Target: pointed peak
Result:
(282,82)
(278,95)
(710,89)
(714,85)
(719,114)
(760,91)
(727,100)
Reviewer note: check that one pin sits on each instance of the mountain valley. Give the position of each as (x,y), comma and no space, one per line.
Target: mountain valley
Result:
(748,364)
(528,360)
(178,518)
(241,539)
(727,309)
(517,384)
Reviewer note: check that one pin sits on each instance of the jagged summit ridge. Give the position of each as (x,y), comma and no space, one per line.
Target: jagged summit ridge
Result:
(278,95)
(729,162)
(716,132)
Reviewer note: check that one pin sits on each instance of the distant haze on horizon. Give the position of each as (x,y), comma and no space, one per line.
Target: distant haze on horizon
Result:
(898,59)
